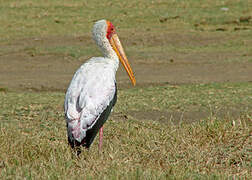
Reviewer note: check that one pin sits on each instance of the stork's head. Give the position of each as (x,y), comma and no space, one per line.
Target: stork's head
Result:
(106,38)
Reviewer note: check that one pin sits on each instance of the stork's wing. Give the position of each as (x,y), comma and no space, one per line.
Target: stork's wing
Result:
(90,92)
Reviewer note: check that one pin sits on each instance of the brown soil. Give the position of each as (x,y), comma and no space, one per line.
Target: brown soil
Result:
(22,70)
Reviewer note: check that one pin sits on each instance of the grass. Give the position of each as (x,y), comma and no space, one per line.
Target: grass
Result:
(34,145)
(32,18)
(143,26)
(32,126)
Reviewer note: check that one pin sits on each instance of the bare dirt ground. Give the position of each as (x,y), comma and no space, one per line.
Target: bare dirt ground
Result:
(23,70)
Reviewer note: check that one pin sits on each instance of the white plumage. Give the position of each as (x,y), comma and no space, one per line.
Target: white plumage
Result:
(90,92)
(93,86)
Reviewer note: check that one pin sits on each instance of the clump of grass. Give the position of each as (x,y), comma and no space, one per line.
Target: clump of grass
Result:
(73,51)
(3,89)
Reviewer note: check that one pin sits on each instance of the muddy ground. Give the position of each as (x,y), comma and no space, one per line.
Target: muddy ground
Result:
(23,70)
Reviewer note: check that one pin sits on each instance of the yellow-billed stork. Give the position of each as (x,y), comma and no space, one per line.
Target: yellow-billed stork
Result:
(92,92)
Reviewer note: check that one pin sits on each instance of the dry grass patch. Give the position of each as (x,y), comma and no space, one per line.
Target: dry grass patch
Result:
(34,144)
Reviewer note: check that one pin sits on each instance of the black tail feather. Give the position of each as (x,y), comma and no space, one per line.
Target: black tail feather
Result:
(76,145)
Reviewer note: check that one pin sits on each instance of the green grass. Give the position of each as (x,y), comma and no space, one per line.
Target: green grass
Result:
(33,18)
(73,51)
(34,144)
(187,97)
(32,127)
(142,25)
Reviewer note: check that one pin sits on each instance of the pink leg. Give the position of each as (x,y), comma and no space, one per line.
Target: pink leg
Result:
(100,138)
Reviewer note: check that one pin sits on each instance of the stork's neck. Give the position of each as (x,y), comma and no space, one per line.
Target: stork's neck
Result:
(109,53)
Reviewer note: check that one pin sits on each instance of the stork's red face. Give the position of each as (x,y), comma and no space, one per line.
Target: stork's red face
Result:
(110,30)
(116,45)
